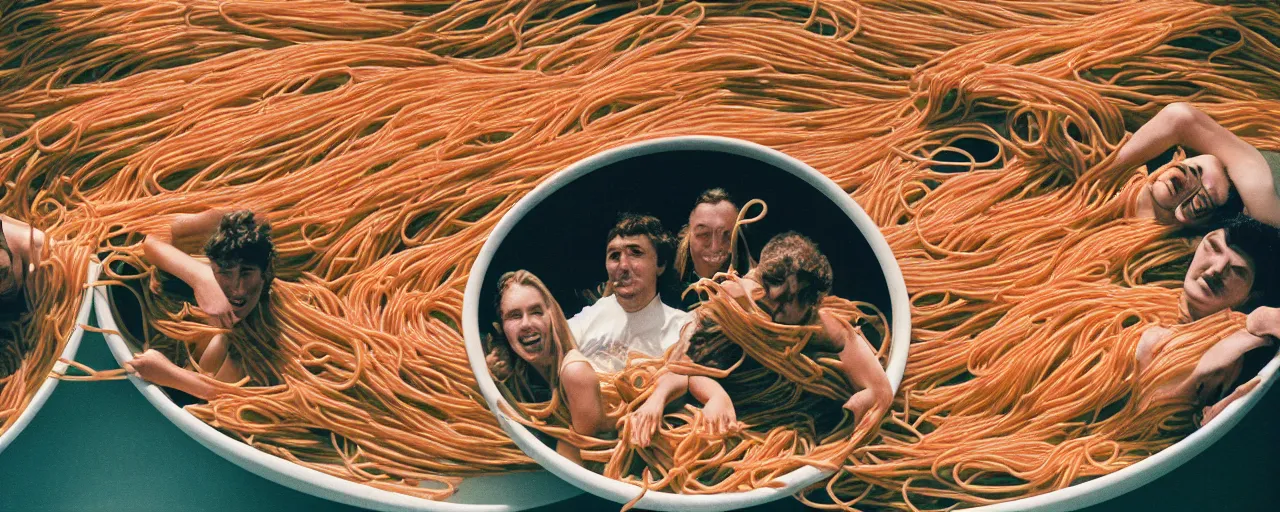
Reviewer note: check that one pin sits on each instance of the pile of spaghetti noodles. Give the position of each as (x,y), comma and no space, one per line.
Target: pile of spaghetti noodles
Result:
(384,139)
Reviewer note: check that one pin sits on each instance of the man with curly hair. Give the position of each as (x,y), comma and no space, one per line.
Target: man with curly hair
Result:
(228,289)
(789,285)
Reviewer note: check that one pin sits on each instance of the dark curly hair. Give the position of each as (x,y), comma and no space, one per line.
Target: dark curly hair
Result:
(792,253)
(633,224)
(1260,242)
(241,240)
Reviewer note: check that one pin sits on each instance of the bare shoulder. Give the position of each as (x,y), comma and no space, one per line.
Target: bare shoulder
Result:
(737,289)
(575,370)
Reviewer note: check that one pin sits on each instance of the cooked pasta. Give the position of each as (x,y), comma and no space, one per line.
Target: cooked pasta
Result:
(385,139)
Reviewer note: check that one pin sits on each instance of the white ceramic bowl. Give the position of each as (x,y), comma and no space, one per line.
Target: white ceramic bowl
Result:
(623,492)
(495,493)
(68,353)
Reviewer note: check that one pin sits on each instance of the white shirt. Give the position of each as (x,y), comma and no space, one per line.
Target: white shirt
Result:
(606,333)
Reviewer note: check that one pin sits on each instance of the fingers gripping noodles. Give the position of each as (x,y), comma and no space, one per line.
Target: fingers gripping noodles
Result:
(384,139)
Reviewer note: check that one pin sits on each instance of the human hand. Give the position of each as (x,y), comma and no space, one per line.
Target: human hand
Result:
(499,361)
(1214,410)
(151,366)
(720,416)
(644,422)
(214,304)
(859,404)
(1264,321)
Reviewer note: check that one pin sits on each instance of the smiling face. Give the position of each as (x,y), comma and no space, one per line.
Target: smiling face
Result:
(242,284)
(1220,276)
(632,264)
(710,228)
(525,324)
(1192,190)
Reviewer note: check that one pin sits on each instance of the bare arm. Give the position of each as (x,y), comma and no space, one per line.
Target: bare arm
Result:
(154,367)
(582,390)
(1183,125)
(160,251)
(860,366)
(1264,321)
(717,406)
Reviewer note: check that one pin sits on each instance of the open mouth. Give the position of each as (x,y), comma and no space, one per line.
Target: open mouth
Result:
(238,303)
(530,340)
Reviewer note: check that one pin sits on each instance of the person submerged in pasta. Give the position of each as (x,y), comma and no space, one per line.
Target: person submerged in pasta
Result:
(228,290)
(704,247)
(1229,175)
(534,329)
(1233,268)
(787,287)
(631,316)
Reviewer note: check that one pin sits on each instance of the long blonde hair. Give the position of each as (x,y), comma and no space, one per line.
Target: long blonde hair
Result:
(515,384)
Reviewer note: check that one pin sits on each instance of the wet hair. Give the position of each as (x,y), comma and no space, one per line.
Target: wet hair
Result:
(241,240)
(792,253)
(1260,242)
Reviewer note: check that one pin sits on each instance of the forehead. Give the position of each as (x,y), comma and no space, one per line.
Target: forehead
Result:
(234,266)
(623,242)
(520,296)
(708,212)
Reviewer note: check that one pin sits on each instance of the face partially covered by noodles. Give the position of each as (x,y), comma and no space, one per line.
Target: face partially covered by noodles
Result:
(241,253)
(795,277)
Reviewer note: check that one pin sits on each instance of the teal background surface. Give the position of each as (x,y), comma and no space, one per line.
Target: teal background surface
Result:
(102,446)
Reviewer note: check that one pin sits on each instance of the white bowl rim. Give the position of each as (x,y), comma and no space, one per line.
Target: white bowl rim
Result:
(1147,470)
(623,492)
(279,470)
(68,353)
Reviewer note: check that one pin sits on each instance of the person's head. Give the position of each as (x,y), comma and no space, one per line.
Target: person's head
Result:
(531,320)
(638,252)
(242,254)
(1195,191)
(1228,269)
(710,230)
(795,276)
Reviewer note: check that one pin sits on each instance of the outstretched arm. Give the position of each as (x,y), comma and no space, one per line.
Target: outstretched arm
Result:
(860,366)
(154,367)
(670,386)
(164,251)
(1184,125)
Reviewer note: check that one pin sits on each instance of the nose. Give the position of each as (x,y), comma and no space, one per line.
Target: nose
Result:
(1217,266)
(237,285)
